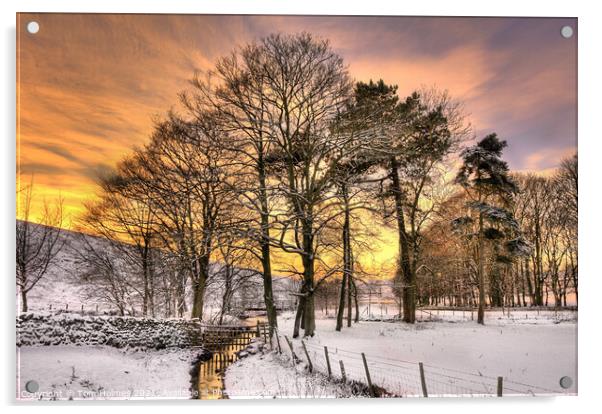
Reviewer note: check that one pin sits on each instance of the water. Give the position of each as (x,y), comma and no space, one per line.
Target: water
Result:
(211,372)
(224,343)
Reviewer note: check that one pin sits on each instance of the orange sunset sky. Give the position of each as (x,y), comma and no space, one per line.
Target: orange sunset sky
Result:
(89,85)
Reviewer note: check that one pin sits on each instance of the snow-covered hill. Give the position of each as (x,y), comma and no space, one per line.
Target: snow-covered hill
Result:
(59,288)
(62,286)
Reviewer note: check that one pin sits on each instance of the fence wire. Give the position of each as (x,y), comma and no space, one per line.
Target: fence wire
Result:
(403,378)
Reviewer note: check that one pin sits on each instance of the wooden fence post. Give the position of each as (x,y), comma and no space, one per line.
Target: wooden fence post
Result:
(278,342)
(265,335)
(327,362)
(423,380)
(258,333)
(343,376)
(311,366)
(368,375)
(500,386)
(290,345)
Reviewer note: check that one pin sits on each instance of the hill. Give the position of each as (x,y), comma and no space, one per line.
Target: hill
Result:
(68,285)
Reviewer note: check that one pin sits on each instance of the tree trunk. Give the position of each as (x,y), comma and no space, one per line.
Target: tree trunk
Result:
(145,293)
(24,306)
(349,304)
(268,295)
(574,277)
(227,293)
(497,296)
(404,272)
(199,284)
(151,279)
(357,306)
(309,317)
(181,279)
(530,288)
(299,313)
(347,257)
(198,299)
(346,280)
(538,267)
(341,309)
(481,273)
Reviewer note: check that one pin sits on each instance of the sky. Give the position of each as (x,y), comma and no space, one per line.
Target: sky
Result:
(90,85)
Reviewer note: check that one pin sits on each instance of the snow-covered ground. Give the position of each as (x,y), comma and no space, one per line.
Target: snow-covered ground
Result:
(517,315)
(99,372)
(273,376)
(461,358)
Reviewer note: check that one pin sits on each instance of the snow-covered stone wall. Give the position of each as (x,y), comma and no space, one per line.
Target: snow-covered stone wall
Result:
(39,329)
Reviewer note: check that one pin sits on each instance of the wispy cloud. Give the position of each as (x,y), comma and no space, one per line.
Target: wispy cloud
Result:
(90,84)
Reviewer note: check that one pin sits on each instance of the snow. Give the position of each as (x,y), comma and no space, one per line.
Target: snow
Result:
(44,328)
(460,358)
(98,372)
(61,287)
(273,376)
(377,311)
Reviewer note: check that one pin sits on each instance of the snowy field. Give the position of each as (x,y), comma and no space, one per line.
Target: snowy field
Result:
(97,372)
(273,376)
(461,358)
(518,315)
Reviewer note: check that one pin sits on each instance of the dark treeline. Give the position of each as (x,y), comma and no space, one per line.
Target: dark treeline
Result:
(544,273)
(278,152)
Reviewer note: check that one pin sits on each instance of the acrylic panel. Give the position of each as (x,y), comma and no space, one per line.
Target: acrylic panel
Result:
(247,206)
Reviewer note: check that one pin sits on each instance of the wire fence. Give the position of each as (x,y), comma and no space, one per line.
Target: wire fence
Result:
(403,378)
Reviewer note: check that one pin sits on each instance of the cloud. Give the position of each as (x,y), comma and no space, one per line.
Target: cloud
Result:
(547,158)
(89,85)
(39,168)
(61,151)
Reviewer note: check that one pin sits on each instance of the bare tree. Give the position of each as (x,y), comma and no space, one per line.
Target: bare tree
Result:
(303,85)
(535,197)
(130,226)
(567,180)
(239,97)
(104,273)
(38,244)
(232,273)
(183,174)
(554,247)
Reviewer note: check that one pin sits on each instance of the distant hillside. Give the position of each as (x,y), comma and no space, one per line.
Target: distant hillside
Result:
(61,288)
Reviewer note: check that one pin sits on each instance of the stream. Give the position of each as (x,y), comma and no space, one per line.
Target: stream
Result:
(224,342)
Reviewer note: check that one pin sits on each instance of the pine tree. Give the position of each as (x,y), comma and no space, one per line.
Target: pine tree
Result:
(404,140)
(373,104)
(485,177)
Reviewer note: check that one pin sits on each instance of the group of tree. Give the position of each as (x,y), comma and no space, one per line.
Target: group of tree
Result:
(517,246)
(277,149)
(276,157)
